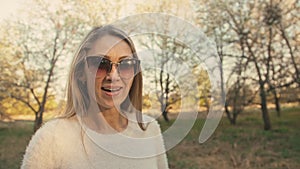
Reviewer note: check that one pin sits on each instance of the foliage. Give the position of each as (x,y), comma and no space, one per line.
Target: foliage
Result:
(14,107)
(36,53)
(257,42)
(253,35)
(204,88)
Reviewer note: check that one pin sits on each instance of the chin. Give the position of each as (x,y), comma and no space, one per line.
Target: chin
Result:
(108,104)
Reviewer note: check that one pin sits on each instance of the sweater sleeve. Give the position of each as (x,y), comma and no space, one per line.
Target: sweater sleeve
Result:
(40,153)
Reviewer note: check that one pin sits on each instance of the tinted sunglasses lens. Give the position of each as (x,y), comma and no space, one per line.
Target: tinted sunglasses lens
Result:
(127,68)
(100,64)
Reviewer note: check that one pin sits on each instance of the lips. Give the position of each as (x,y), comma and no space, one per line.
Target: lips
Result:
(111,90)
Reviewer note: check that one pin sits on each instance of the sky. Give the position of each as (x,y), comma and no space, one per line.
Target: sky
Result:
(9,7)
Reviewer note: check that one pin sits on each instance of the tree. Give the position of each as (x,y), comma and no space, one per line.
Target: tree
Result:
(167,54)
(246,29)
(38,51)
(287,22)
(166,61)
(204,87)
(275,16)
(216,26)
(250,40)
(98,13)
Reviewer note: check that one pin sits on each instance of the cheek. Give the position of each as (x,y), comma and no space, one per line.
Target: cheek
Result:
(129,85)
(100,73)
(98,83)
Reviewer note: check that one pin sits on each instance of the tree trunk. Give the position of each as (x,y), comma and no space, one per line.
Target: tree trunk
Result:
(264,107)
(165,112)
(207,105)
(165,115)
(166,105)
(235,114)
(232,120)
(38,120)
(262,92)
(277,102)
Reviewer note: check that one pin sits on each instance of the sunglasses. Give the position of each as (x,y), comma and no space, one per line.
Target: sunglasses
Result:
(127,68)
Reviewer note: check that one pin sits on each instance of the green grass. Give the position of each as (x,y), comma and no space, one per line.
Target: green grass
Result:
(13,140)
(245,145)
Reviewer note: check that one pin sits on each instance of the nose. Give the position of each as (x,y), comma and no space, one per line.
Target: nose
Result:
(113,74)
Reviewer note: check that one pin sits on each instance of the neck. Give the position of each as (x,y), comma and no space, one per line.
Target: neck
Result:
(115,119)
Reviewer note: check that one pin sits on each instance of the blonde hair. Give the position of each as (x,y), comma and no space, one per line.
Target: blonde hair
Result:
(77,95)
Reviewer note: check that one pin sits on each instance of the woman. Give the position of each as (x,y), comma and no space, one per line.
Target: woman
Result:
(102,125)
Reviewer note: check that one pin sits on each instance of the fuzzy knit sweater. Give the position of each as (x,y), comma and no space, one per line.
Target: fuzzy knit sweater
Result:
(61,144)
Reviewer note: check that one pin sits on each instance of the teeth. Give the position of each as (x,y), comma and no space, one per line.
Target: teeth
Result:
(111,89)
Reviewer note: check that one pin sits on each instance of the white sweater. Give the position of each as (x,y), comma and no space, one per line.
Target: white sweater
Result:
(62,144)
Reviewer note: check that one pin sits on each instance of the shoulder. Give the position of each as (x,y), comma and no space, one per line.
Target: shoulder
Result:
(57,124)
(47,143)
(53,129)
(46,131)
(41,151)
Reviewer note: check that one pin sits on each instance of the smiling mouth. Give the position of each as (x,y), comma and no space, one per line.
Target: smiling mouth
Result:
(111,90)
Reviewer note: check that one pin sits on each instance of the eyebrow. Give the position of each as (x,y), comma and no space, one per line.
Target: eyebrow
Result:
(120,58)
(123,57)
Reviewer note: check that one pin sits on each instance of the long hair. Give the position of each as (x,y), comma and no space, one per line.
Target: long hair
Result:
(77,95)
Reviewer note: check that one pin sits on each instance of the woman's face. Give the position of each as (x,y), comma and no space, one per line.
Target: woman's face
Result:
(111,89)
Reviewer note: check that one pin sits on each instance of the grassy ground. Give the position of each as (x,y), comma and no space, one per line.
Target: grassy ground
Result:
(13,140)
(245,145)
